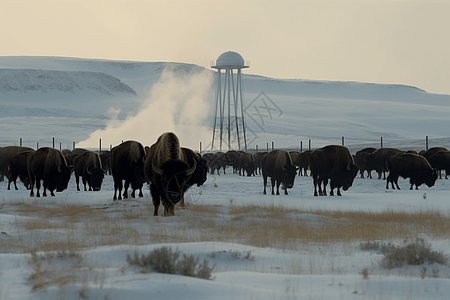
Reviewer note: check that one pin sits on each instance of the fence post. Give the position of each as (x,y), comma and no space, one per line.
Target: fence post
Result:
(301,147)
(60,146)
(309,145)
(37,145)
(272,146)
(342,141)
(200,148)
(381,142)
(53,142)
(256,148)
(73,146)
(426,144)
(20,142)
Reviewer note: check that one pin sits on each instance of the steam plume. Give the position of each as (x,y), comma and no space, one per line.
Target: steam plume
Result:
(178,102)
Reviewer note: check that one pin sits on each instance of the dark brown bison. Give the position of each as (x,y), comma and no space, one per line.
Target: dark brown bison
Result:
(303,163)
(17,167)
(413,166)
(440,160)
(247,164)
(233,160)
(89,167)
(259,156)
(278,165)
(127,163)
(361,161)
(5,154)
(49,165)
(377,160)
(335,163)
(168,171)
(217,161)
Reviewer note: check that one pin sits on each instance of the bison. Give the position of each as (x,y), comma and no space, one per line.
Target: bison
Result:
(17,167)
(361,161)
(50,166)
(127,163)
(303,163)
(413,166)
(332,162)
(89,167)
(440,160)
(168,171)
(247,163)
(5,154)
(377,160)
(278,165)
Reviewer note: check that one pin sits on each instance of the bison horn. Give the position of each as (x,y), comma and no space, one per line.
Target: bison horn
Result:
(191,170)
(349,167)
(156,169)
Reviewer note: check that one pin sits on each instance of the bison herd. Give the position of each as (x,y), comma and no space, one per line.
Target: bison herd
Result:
(170,169)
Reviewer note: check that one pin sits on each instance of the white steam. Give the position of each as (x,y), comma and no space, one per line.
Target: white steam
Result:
(178,103)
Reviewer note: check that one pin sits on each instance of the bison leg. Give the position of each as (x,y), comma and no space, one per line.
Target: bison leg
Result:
(265,183)
(38,186)
(272,182)
(315,181)
(84,184)
(278,187)
(125,189)
(324,191)
(117,187)
(140,193)
(77,180)
(156,198)
(339,192)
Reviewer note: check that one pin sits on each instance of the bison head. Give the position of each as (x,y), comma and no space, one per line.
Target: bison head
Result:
(431,178)
(62,178)
(348,176)
(173,175)
(96,176)
(288,176)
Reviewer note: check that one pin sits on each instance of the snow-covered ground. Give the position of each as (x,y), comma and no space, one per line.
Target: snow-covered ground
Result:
(320,111)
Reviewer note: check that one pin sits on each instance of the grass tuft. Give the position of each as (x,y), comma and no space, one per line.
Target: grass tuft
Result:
(163,260)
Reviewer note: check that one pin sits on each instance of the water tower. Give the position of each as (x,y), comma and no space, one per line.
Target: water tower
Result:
(229,125)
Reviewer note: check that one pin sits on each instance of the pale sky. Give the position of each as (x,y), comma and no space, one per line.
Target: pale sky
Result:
(381,41)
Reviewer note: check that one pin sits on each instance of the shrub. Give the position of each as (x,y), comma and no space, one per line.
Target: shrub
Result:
(415,253)
(163,260)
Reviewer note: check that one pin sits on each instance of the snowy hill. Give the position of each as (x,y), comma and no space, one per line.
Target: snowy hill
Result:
(116,100)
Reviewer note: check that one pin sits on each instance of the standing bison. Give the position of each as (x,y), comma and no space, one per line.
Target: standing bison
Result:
(127,163)
(5,154)
(413,166)
(49,165)
(278,165)
(89,167)
(167,169)
(335,163)
(377,160)
(361,161)
(17,167)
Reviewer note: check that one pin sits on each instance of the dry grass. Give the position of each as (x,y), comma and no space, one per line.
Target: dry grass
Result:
(60,226)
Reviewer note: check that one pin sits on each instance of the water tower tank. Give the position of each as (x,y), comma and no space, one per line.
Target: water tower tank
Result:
(230,59)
